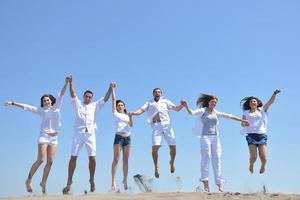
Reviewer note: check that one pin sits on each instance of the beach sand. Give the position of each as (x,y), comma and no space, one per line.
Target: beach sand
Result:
(165,196)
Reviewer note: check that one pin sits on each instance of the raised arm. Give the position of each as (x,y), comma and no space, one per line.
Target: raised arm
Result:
(109,91)
(72,90)
(271,100)
(63,90)
(113,97)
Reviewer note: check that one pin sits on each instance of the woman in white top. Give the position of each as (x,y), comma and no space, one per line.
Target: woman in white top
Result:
(256,114)
(47,141)
(207,130)
(123,122)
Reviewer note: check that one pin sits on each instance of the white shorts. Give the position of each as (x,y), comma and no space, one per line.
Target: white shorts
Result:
(80,139)
(46,139)
(159,132)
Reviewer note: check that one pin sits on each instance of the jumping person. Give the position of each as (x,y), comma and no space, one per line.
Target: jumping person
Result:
(85,132)
(160,121)
(206,128)
(123,122)
(47,141)
(256,113)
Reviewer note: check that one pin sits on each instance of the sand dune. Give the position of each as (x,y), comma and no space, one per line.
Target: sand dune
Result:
(165,196)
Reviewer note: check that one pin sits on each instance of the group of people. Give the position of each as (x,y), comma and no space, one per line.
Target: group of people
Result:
(254,123)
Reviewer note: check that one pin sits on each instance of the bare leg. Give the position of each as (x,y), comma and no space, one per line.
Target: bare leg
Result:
(253,156)
(71,169)
(155,159)
(114,166)
(262,149)
(51,152)
(42,151)
(172,155)
(126,151)
(92,168)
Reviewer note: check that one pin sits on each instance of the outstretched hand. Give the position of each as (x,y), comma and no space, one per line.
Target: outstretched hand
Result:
(8,103)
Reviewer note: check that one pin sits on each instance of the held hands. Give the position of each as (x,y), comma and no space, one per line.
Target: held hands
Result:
(69,78)
(277,91)
(113,85)
(183,103)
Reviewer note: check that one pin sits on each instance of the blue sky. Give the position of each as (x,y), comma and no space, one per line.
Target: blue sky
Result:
(229,48)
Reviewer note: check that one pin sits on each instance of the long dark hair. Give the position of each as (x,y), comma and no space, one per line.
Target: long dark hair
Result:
(203,100)
(245,102)
(53,100)
(120,101)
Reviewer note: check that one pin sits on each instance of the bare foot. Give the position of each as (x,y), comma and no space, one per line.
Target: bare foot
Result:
(92,186)
(206,186)
(156,173)
(67,189)
(262,169)
(220,187)
(43,186)
(113,187)
(125,185)
(251,168)
(28,185)
(172,167)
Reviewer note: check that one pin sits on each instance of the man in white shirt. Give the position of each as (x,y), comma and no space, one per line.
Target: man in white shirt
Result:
(85,129)
(159,119)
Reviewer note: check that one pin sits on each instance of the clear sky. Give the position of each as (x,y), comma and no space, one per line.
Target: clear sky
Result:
(228,48)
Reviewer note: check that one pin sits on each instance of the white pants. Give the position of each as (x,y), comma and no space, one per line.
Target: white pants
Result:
(87,139)
(159,132)
(211,150)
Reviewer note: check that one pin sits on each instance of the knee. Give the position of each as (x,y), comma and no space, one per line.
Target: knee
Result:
(115,161)
(125,161)
(39,161)
(73,159)
(263,160)
(92,159)
(253,158)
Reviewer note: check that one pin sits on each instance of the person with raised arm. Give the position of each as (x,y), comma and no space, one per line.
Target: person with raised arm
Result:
(256,133)
(122,141)
(85,132)
(49,112)
(206,128)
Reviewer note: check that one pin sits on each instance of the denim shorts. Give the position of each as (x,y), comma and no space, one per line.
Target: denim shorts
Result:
(122,141)
(256,139)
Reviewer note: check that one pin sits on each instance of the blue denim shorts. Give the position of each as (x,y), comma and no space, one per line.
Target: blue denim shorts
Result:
(122,141)
(256,139)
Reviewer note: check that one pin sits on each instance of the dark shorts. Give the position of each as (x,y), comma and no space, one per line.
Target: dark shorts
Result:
(122,141)
(256,139)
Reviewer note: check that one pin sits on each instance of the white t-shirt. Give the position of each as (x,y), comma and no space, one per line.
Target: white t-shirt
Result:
(257,121)
(50,116)
(198,127)
(161,107)
(121,123)
(85,117)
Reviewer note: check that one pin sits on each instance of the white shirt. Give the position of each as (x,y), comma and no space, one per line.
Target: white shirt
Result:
(198,127)
(121,123)
(50,116)
(162,107)
(85,117)
(257,121)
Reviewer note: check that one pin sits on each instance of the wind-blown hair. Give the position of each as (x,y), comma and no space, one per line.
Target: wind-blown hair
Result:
(203,100)
(245,102)
(120,101)
(53,100)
